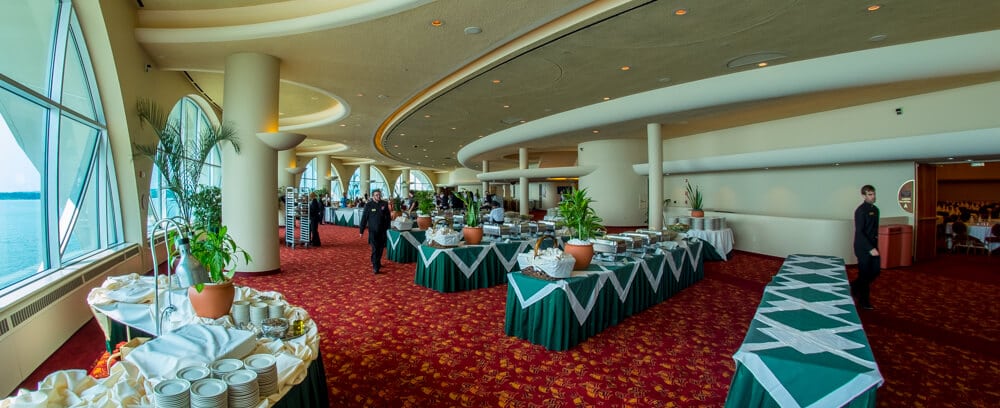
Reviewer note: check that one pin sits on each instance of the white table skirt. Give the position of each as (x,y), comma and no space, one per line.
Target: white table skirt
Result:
(722,240)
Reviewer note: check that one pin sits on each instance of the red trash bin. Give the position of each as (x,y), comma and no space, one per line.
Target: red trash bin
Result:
(895,245)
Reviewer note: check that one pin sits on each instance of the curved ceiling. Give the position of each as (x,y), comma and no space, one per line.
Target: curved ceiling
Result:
(412,93)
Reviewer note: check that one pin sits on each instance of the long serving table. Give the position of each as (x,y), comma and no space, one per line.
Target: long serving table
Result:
(805,346)
(404,246)
(562,313)
(468,267)
(346,217)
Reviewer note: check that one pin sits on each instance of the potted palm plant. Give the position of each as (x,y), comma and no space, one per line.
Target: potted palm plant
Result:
(584,223)
(472,232)
(180,161)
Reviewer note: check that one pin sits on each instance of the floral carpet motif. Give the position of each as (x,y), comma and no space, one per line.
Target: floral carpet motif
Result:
(387,342)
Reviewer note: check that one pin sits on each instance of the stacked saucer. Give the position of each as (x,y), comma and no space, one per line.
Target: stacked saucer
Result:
(194,373)
(243,389)
(172,393)
(209,393)
(225,366)
(267,372)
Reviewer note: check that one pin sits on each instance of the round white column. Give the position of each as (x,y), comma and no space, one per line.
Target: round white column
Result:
(286,159)
(364,178)
(654,144)
(522,188)
(486,184)
(249,178)
(323,171)
(404,185)
(616,189)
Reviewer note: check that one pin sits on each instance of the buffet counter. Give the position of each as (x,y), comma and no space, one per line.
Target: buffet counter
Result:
(128,301)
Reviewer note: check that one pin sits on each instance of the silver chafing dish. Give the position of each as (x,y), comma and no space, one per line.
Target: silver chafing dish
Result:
(496,230)
(609,246)
(546,226)
(661,235)
(646,238)
(630,242)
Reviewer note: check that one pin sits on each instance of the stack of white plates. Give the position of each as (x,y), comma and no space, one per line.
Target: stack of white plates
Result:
(194,373)
(172,393)
(697,223)
(267,372)
(209,393)
(225,366)
(243,389)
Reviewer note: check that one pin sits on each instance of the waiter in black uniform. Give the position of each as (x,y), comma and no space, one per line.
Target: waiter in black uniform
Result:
(316,210)
(866,247)
(376,217)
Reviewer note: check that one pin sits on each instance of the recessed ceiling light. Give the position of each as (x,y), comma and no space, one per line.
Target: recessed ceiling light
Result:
(754,59)
(395,145)
(761,64)
(874,7)
(343,125)
(506,106)
(664,79)
(496,81)
(951,158)
(595,131)
(607,98)
(315,98)
(625,68)
(427,116)
(877,37)
(382,96)
(432,140)
(454,128)
(402,134)
(437,23)
(360,94)
(473,30)
(680,12)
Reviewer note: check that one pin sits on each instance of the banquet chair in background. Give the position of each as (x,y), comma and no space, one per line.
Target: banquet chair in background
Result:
(994,238)
(962,240)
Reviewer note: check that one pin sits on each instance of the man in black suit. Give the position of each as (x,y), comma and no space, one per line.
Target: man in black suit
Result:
(866,247)
(376,218)
(315,216)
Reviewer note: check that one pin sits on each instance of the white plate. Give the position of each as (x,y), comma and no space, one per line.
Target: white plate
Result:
(171,387)
(240,377)
(194,373)
(208,388)
(259,362)
(226,365)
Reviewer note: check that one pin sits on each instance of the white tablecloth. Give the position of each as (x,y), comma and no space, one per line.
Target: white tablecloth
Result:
(982,232)
(722,240)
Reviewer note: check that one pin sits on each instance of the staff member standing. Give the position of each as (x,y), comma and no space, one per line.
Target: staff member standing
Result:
(866,247)
(316,210)
(376,217)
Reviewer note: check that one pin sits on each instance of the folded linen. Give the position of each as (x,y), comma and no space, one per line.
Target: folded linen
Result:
(189,345)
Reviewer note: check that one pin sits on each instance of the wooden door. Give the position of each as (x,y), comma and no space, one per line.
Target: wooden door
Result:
(925,212)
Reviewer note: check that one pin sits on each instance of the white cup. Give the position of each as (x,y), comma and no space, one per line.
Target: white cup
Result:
(258,312)
(241,311)
(275,309)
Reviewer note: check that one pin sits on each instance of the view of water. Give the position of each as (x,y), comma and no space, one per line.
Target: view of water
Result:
(20,243)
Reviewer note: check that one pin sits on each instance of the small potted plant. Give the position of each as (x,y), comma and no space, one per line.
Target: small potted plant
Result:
(584,223)
(425,205)
(217,252)
(694,198)
(472,232)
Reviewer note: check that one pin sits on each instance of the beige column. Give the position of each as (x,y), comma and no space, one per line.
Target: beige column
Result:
(654,144)
(404,183)
(486,184)
(323,172)
(614,186)
(364,178)
(249,178)
(522,189)
(550,195)
(286,160)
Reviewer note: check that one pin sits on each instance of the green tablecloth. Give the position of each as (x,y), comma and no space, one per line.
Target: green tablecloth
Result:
(404,246)
(805,346)
(469,266)
(562,313)
(345,217)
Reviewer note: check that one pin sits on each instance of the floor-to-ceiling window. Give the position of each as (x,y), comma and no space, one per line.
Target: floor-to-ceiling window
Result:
(58,192)
(308,181)
(418,182)
(193,122)
(377,183)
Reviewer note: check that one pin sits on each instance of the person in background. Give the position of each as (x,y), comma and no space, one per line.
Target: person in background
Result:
(866,247)
(376,218)
(410,204)
(496,214)
(315,216)
(343,201)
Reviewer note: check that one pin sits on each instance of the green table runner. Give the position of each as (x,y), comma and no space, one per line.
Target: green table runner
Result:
(562,313)
(805,346)
(404,246)
(459,268)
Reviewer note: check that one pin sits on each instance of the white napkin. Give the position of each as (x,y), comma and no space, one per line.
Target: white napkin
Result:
(193,344)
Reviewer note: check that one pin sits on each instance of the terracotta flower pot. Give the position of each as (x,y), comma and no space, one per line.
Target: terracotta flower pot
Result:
(582,253)
(214,301)
(697,213)
(424,222)
(472,235)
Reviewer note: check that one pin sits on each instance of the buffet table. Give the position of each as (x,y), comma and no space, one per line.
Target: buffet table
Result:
(346,217)
(404,246)
(127,300)
(468,267)
(562,313)
(721,240)
(981,232)
(805,346)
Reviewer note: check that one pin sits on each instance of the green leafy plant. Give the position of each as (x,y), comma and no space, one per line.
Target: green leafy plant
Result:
(471,209)
(693,195)
(425,201)
(217,251)
(320,192)
(206,206)
(579,215)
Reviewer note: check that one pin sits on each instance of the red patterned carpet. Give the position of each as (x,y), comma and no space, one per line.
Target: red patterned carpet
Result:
(387,342)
